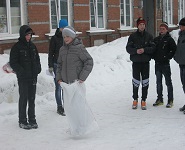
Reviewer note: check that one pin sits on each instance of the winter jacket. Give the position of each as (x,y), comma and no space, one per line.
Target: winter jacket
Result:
(180,52)
(139,40)
(74,62)
(165,49)
(24,58)
(55,44)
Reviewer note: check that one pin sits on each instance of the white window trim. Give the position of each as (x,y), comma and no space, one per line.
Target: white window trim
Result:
(167,12)
(96,17)
(181,12)
(131,14)
(9,34)
(70,9)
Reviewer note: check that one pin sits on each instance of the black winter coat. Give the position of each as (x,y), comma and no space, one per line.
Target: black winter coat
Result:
(24,58)
(139,40)
(55,44)
(165,49)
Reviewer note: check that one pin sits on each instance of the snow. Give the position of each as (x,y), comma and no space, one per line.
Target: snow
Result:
(109,94)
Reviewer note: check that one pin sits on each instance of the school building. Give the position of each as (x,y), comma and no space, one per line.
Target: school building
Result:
(96,21)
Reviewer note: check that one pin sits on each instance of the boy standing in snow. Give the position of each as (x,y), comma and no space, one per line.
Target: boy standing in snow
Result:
(165,50)
(74,62)
(180,55)
(74,66)
(25,62)
(140,47)
(55,44)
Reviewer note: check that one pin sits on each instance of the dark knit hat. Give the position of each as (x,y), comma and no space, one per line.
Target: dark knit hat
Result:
(164,24)
(182,22)
(69,31)
(140,20)
(63,23)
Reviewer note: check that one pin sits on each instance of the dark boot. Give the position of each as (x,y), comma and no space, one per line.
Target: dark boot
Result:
(33,123)
(60,110)
(182,108)
(24,125)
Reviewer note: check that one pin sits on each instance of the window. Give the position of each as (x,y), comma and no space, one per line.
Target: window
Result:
(97,13)
(168,11)
(59,9)
(181,8)
(126,13)
(11,17)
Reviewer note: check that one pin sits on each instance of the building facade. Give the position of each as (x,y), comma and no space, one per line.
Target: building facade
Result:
(96,21)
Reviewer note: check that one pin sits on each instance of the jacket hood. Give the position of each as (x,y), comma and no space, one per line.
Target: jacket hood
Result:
(23,30)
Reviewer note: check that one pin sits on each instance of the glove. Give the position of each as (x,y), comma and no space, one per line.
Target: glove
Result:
(51,69)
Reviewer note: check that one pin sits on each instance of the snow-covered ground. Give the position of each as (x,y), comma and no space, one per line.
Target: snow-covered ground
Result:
(109,94)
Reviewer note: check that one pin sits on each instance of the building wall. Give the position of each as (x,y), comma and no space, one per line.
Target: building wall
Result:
(39,21)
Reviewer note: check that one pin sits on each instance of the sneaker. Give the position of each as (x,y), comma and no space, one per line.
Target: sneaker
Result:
(158,102)
(134,105)
(143,105)
(33,125)
(60,110)
(182,108)
(25,126)
(170,104)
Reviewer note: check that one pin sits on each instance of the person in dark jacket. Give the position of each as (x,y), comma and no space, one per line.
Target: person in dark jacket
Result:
(25,62)
(74,62)
(55,44)
(165,50)
(140,47)
(180,55)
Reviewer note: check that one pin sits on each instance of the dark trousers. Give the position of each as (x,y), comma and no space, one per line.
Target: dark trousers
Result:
(27,91)
(182,76)
(160,70)
(140,73)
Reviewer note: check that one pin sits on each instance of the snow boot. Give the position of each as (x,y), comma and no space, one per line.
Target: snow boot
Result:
(33,123)
(25,125)
(60,110)
(158,102)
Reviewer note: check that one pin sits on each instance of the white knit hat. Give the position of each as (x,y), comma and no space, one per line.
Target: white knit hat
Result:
(69,31)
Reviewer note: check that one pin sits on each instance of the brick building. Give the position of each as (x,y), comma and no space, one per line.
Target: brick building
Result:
(97,21)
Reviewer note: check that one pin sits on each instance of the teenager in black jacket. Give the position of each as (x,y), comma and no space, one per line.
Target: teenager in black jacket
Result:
(55,44)
(140,47)
(25,62)
(165,50)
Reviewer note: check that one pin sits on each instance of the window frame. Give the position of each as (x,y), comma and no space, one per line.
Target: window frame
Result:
(181,12)
(96,16)
(168,14)
(69,13)
(125,15)
(9,17)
